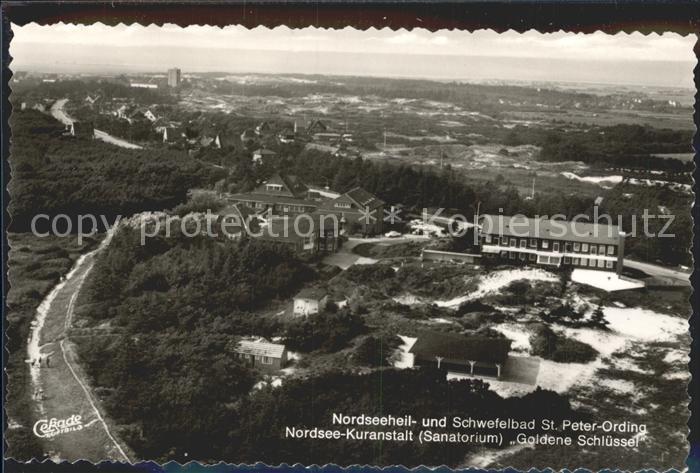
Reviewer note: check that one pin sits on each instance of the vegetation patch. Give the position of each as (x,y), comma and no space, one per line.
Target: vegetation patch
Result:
(556,347)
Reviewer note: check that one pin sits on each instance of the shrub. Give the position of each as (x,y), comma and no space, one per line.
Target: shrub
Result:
(598,318)
(376,351)
(324,331)
(473,306)
(547,344)
(199,203)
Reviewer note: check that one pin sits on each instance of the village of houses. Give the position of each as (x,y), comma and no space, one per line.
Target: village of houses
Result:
(488,313)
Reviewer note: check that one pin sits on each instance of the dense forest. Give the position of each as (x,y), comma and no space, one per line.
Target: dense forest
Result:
(175,305)
(54,174)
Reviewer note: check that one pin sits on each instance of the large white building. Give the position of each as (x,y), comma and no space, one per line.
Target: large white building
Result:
(552,242)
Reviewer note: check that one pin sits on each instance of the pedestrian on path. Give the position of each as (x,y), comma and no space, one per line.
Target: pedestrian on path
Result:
(48,359)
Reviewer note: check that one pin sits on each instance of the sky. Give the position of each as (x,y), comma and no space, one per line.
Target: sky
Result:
(482,55)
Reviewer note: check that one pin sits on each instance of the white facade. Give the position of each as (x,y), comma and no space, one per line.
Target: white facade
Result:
(309,306)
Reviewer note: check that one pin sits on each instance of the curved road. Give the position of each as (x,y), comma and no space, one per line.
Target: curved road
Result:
(58,112)
(64,388)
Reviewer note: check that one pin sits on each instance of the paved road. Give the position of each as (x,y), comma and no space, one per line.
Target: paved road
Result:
(659,271)
(58,112)
(346,257)
(107,138)
(65,391)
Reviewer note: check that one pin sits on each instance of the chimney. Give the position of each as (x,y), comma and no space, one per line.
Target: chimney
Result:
(621,253)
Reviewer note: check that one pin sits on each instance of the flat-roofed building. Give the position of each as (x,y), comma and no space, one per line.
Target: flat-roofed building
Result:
(472,354)
(551,242)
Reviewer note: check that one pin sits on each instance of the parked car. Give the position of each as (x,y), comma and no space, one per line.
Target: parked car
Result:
(392,234)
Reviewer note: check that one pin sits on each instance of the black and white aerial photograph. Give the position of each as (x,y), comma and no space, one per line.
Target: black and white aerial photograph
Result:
(380,247)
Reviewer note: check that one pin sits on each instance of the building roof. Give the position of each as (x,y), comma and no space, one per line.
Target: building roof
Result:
(461,347)
(523,227)
(316,124)
(242,219)
(272,199)
(248,134)
(260,348)
(364,198)
(264,152)
(314,293)
(290,184)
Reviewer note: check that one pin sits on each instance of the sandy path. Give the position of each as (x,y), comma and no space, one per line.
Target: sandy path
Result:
(65,390)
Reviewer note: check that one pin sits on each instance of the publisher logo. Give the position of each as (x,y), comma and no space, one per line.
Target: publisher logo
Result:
(52,427)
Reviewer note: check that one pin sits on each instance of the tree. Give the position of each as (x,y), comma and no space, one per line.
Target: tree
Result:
(598,318)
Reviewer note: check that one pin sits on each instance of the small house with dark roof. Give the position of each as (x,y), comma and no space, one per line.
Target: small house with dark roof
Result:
(264,128)
(248,136)
(316,126)
(472,354)
(310,301)
(263,355)
(142,113)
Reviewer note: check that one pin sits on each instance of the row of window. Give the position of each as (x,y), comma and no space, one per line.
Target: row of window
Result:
(285,208)
(294,208)
(567,247)
(265,360)
(556,260)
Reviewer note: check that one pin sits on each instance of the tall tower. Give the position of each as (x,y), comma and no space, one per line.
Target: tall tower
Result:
(173,77)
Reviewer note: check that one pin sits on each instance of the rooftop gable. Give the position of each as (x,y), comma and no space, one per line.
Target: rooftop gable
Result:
(363,198)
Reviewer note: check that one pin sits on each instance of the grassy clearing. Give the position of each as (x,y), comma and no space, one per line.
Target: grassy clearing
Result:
(35,265)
